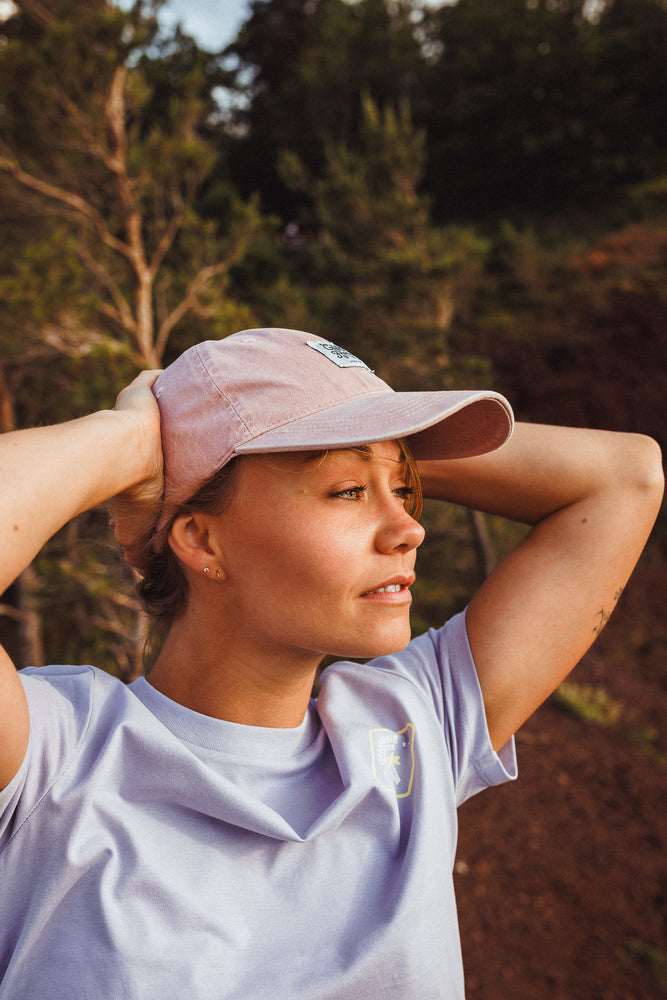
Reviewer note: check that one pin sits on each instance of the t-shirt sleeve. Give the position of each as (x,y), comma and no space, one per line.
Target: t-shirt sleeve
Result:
(59,704)
(441,664)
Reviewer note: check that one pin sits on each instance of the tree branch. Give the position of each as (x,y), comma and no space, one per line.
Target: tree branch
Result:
(197,285)
(8,611)
(82,123)
(168,237)
(83,210)
(122,313)
(114,109)
(115,115)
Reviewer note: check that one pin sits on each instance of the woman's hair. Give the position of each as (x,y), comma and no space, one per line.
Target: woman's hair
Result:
(163,589)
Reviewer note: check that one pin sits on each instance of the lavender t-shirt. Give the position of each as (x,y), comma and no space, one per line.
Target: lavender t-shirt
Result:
(149,852)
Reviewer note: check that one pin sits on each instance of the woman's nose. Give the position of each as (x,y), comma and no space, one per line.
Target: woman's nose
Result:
(399,530)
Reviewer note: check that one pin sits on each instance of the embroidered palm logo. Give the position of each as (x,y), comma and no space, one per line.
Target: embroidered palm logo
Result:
(393,757)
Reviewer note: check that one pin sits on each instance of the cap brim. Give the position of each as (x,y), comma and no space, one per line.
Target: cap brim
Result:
(458,424)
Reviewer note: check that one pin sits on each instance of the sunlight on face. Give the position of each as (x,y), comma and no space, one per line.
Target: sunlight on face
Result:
(319,552)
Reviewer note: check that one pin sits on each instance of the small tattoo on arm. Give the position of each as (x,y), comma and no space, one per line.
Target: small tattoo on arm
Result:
(602,619)
(603,616)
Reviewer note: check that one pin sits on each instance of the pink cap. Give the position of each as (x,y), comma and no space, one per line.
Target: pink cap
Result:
(284,390)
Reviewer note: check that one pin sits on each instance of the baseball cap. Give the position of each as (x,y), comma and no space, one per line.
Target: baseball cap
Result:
(279,390)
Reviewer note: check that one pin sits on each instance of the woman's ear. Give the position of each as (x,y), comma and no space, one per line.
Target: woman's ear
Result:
(189,540)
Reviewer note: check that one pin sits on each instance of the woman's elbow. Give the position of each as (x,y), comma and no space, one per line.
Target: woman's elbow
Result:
(644,470)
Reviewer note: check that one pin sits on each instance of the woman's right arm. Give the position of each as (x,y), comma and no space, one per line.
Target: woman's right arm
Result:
(48,475)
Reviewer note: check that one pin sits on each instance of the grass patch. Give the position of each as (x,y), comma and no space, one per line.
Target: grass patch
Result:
(651,958)
(588,702)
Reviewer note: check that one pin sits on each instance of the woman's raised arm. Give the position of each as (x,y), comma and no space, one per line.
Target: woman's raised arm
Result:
(591,498)
(48,475)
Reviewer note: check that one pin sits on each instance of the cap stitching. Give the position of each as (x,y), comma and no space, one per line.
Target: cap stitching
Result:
(221,392)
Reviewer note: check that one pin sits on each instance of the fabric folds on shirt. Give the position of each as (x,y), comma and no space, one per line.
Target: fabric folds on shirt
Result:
(148,851)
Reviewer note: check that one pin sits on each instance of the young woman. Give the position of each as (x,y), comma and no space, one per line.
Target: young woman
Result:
(210,831)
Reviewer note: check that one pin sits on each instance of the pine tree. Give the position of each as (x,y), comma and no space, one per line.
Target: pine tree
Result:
(106,139)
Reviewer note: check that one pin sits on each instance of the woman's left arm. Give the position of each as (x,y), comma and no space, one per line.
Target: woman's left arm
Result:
(591,498)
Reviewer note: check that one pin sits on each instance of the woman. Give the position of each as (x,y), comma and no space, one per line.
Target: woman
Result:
(211,831)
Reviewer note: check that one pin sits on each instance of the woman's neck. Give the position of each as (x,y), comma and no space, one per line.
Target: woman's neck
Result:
(210,676)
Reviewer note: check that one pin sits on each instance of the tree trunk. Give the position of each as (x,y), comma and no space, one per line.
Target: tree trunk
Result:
(486,556)
(6,405)
(31,633)
(145,323)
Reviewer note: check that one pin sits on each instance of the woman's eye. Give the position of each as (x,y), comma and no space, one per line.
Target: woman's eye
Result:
(404,492)
(353,493)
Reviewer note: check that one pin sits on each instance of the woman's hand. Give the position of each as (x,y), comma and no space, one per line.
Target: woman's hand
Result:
(135,511)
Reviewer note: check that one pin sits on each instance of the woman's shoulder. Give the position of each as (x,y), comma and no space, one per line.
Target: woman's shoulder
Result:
(69,681)
(64,697)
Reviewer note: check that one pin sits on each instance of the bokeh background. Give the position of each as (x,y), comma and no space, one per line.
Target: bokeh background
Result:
(464,194)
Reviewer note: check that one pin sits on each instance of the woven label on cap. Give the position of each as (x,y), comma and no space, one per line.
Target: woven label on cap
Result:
(338,355)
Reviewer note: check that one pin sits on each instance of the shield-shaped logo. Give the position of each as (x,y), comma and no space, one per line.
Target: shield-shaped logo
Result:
(393,756)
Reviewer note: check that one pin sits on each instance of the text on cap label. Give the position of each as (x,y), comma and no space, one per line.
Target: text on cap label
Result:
(338,355)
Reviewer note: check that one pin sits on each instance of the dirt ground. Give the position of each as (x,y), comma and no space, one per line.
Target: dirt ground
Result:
(562,875)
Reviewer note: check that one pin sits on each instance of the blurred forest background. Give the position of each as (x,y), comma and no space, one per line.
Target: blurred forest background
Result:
(471,194)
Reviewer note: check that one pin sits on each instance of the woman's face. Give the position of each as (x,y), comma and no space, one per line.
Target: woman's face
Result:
(318,553)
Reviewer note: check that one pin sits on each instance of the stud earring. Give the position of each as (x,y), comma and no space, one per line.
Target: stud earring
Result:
(206,571)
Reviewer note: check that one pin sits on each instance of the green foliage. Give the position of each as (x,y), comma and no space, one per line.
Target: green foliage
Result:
(647,956)
(573,323)
(365,201)
(590,703)
(536,105)
(108,128)
(308,65)
(380,278)
(526,104)
(84,593)
(647,738)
